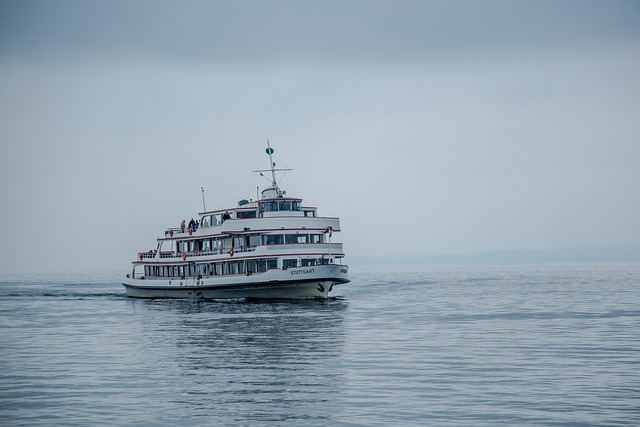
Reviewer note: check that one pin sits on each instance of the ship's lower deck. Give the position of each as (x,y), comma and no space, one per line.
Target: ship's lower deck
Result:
(301,282)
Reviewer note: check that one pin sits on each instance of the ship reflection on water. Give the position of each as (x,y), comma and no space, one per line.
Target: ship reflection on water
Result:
(249,361)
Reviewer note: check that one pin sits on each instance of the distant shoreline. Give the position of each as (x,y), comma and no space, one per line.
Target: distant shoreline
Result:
(618,253)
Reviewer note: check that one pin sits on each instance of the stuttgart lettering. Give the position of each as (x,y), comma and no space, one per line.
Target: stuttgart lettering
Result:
(305,271)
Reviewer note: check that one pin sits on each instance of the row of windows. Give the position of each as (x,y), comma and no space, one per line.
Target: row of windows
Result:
(212,269)
(219,218)
(290,263)
(275,206)
(279,239)
(230,267)
(270,206)
(215,244)
(280,205)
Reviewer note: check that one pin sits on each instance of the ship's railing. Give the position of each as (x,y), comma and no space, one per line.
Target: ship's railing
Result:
(150,254)
(324,247)
(171,255)
(176,231)
(173,231)
(335,248)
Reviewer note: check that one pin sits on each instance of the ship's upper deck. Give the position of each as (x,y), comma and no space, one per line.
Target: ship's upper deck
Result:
(274,210)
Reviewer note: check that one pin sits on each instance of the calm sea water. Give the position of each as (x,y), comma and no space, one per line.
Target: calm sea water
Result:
(550,345)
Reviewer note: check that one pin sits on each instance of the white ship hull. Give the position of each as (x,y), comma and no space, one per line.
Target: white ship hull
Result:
(294,283)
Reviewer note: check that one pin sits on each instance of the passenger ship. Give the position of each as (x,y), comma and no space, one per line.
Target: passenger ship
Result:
(273,248)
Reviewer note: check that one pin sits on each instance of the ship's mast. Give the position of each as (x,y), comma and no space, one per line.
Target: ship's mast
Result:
(272,165)
(273,170)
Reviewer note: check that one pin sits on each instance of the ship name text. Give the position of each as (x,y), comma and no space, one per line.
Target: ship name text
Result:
(305,271)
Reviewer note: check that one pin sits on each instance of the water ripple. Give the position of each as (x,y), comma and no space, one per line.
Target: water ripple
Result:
(554,345)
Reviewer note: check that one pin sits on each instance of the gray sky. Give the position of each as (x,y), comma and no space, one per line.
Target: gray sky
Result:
(429,127)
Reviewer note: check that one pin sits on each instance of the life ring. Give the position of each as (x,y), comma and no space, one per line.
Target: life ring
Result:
(184,257)
(231,252)
(190,231)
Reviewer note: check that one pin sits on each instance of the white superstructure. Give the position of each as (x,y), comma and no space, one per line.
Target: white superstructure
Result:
(270,248)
